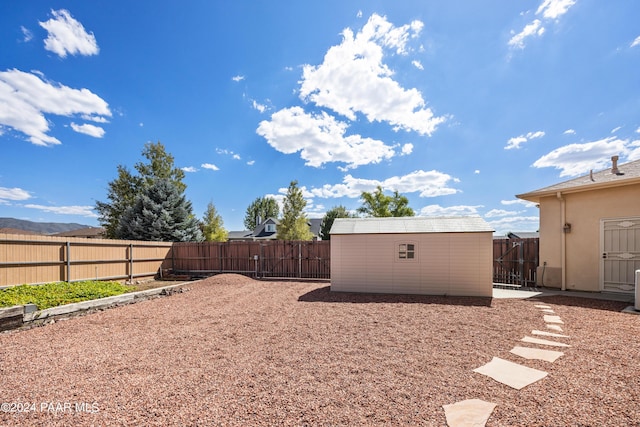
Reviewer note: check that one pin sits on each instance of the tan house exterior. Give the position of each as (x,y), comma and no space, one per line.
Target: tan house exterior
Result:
(590,230)
(412,255)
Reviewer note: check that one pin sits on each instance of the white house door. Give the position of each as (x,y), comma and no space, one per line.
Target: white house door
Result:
(620,247)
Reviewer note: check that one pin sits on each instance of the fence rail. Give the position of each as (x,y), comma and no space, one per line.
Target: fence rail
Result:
(260,259)
(515,261)
(43,259)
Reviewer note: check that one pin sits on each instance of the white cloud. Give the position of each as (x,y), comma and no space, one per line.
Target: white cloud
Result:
(577,159)
(616,129)
(504,225)
(636,42)
(477,171)
(518,202)
(427,183)
(515,142)
(353,78)
(210,166)
(500,213)
(553,9)
(87,129)
(13,194)
(569,132)
(550,10)
(237,78)
(460,210)
(66,210)
(417,64)
(534,28)
(407,149)
(638,130)
(66,35)
(257,106)
(251,162)
(189,169)
(25,99)
(320,138)
(92,118)
(28,35)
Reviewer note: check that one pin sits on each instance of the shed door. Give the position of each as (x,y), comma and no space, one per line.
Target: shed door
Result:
(620,247)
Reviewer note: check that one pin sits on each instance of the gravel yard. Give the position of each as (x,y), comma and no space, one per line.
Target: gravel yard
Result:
(234,351)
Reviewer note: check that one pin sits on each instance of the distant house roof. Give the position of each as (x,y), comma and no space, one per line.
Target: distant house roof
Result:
(627,174)
(88,232)
(452,224)
(518,235)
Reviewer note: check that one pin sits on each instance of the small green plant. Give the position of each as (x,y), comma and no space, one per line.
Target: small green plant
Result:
(59,293)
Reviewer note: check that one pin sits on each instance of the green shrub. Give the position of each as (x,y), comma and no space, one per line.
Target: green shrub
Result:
(59,293)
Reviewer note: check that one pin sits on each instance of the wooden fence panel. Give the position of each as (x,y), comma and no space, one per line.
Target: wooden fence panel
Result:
(271,258)
(42,259)
(515,261)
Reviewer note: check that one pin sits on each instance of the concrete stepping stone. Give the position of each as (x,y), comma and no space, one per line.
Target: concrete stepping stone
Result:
(537,353)
(468,413)
(512,374)
(552,319)
(549,334)
(555,327)
(548,310)
(543,342)
(542,306)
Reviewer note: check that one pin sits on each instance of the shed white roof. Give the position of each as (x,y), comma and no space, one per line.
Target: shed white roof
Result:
(450,224)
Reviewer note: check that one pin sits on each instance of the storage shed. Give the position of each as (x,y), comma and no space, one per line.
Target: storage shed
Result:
(412,255)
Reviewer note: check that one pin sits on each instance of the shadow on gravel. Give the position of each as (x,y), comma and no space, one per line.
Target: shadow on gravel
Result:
(585,302)
(325,295)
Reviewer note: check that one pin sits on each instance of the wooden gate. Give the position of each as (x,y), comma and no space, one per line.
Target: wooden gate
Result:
(515,261)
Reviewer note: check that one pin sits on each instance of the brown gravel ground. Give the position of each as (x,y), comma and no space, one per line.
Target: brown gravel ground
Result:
(234,351)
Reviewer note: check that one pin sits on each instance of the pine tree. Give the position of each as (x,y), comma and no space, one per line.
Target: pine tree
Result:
(122,191)
(294,225)
(213,226)
(160,213)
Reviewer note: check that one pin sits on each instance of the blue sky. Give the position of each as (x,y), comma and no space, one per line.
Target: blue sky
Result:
(458,105)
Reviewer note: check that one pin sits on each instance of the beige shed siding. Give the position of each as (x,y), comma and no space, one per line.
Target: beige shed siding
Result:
(444,264)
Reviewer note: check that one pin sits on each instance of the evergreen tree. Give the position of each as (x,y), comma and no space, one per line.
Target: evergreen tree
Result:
(160,213)
(263,208)
(122,191)
(213,226)
(329,217)
(377,204)
(294,225)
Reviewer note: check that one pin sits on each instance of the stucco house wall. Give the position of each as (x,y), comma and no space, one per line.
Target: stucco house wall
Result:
(583,204)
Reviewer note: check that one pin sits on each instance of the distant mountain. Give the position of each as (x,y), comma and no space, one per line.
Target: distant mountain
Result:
(39,227)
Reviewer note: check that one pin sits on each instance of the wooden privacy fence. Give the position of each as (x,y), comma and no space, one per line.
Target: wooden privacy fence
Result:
(44,259)
(515,261)
(260,259)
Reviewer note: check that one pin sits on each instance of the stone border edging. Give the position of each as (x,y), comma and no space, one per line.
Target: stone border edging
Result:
(21,315)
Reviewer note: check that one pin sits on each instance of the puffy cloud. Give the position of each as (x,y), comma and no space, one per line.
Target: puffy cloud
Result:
(515,223)
(353,78)
(87,129)
(636,42)
(518,202)
(417,64)
(427,183)
(320,138)
(550,10)
(209,166)
(493,213)
(25,99)
(67,35)
(28,35)
(13,194)
(407,149)
(238,78)
(189,169)
(66,210)
(553,9)
(460,210)
(534,28)
(515,142)
(569,132)
(578,159)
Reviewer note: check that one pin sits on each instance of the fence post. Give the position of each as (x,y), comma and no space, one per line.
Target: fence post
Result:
(131,262)
(68,261)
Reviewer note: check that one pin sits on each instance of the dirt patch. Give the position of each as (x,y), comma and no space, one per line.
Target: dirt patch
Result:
(235,351)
